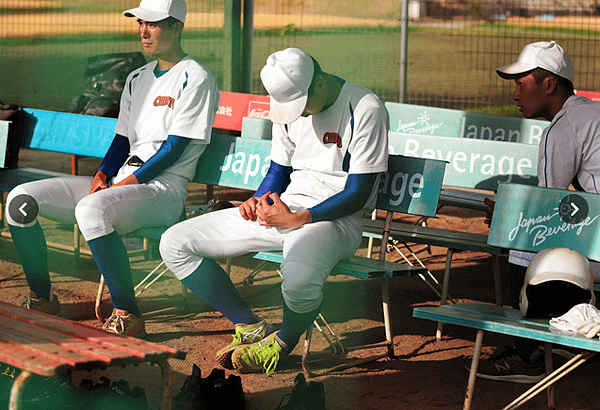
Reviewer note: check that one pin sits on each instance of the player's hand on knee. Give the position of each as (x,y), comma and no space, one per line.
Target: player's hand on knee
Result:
(248,209)
(99,182)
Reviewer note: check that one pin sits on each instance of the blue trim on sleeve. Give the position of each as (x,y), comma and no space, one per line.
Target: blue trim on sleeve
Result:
(276,180)
(115,156)
(352,199)
(168,153)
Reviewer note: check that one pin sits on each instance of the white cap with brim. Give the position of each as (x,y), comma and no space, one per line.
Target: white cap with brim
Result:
(543,54)
(157,10)
(287,75)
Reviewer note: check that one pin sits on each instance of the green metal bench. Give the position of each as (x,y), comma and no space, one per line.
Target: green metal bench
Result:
(530,219)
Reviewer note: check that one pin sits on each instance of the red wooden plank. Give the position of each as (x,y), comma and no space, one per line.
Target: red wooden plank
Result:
(14,355)
(129,346)
(71,348)
(43,343)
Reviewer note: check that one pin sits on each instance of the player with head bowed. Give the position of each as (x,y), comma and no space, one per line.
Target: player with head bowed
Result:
(328,151)
(569,156)
(165,120)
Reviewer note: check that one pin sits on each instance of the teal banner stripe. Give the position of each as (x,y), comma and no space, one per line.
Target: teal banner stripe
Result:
(443,122)
(479,164)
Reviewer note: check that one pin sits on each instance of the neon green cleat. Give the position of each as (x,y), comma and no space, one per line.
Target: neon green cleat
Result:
(244,334)
(258,357)
(125,323)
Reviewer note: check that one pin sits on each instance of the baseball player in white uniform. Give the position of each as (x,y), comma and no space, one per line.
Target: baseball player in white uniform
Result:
(167,110)
(569,155)
(329,148)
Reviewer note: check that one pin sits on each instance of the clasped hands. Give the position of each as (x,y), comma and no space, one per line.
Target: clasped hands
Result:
(269,210)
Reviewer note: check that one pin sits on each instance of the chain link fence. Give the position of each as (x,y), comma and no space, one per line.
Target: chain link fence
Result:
(452,51)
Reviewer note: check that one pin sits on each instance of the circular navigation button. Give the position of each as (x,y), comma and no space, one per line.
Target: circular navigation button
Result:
(573,209)
(23,209)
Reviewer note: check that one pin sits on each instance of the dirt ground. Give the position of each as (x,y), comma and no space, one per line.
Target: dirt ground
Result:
(426,374)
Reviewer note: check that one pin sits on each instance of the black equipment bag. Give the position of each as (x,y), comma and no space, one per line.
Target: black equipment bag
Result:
(105,77)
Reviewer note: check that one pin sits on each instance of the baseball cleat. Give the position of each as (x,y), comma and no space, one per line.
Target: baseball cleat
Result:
(244,334)
(125,323)
(259,357)
(50,307)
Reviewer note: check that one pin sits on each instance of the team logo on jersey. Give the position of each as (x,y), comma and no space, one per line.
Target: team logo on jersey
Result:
(332,138)
(164,100)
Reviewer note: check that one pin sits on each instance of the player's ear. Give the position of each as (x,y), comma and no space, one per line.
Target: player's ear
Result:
(177,27)
(320,83)
(550,83)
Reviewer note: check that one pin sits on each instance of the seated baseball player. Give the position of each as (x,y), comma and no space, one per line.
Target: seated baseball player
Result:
(329,148)
(569,155)
(165,120)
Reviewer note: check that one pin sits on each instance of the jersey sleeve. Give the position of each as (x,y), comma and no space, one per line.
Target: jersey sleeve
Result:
(368,149)
(282,147)
(196,107)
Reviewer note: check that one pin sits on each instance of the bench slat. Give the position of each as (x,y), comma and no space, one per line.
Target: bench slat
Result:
(10,178)
(19,356)
(433,236)
(356,266)
(502,320)
(130,346)
(44,349)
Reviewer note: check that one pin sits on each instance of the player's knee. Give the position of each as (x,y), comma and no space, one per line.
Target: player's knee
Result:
(302,289)
(175,254)
(90,216)
(21,208)
(170,246)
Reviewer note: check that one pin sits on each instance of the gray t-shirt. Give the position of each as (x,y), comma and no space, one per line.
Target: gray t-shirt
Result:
(569,153)
(570,147)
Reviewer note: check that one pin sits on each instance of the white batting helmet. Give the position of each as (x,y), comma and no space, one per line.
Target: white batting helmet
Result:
(548,289)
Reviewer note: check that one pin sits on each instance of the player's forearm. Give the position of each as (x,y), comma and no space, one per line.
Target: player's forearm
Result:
(167,155)
(276,180)
(115,156)
(352,199)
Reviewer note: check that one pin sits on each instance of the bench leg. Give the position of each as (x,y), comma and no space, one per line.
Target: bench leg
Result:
(98,306)
(549,362)
(473,372)
(167,384)
(76,244)
(16,392)
(497,285)
(2,216)
(385,300)
(306,351)
(445,284)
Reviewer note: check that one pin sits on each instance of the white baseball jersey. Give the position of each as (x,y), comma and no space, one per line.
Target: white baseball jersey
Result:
(181,102)
(350,137)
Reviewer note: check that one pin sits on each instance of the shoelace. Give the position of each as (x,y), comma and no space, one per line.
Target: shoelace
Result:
(115,324)
(27,302)
(268,355)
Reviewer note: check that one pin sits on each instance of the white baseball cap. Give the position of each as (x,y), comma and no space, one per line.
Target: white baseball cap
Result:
(287,76)
(157,10)
(543,54)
